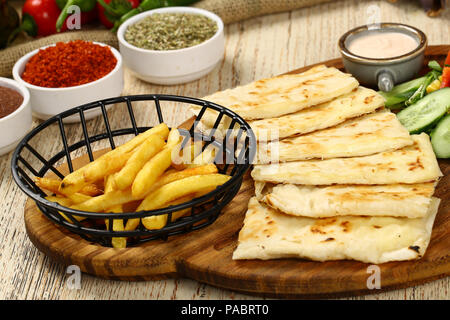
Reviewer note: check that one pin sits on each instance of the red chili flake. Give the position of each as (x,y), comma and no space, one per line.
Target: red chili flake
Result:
(69,64)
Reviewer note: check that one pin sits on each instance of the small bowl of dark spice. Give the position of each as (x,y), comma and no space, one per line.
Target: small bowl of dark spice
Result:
(172,45)
(15,114)
(68,74)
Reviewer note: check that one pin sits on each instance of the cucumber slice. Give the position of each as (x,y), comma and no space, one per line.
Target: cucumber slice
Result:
(440,138)
(425,112)
(402,92)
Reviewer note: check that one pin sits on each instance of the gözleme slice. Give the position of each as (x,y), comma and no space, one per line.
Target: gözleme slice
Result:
(358,102)
(412,164)
(369,134)
(269,234)
(274,97)
(397,200)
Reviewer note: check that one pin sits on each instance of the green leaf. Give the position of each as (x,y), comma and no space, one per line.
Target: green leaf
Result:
(433,64)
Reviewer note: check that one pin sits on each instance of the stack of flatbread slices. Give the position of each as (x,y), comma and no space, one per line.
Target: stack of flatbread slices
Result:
(336,174)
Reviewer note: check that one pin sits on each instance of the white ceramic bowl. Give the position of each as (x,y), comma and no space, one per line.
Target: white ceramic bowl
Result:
(16,125)
(173,66)
(47,102)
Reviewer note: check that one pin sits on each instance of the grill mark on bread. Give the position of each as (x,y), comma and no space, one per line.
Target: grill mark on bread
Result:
(325,221)
(346,225)
(316,229)
(368,99)
(416,165)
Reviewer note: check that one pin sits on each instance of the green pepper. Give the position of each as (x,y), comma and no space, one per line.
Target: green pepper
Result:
(149,5)
(9,21)
(434,65)
(401,92)
(421,92)
(84,5)
(109,11)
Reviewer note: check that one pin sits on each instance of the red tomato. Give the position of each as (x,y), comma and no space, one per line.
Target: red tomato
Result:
(44,14)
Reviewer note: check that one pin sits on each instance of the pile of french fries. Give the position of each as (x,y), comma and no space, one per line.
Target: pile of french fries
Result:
(148,172)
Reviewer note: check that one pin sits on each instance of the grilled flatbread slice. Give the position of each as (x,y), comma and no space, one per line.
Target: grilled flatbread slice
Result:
(412,164)
(369,134)
(270,234)
(274,97)
(353,104)
(396,200)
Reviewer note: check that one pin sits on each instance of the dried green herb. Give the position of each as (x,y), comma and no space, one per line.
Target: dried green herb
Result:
(170,31)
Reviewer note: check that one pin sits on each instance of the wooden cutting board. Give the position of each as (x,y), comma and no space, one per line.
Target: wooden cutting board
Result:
(205,255)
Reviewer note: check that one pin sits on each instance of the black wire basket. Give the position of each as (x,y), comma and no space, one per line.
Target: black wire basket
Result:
(29,161)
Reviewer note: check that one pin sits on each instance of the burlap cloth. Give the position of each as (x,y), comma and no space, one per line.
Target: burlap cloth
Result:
(229,10)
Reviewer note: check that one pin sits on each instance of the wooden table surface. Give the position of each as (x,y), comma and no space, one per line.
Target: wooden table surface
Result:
(256,48)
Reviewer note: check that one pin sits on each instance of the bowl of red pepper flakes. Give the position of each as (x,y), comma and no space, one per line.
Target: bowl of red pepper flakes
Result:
(68,74)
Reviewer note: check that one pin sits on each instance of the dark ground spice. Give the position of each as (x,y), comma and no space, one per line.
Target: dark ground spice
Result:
(69,64)
(10,100)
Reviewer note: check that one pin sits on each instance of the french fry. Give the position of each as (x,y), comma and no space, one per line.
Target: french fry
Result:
(105,201)
(91,190)
(196,149)
(110,183)
(117,225)
(178,175)
(78,198)
(48,184)
(204,191)
(178,214)
(52,185)
(115,209)
(206,157)
(125,177)
(186,155)
(177,189)
(93,171)
(155,167)
(107,164)
(133,223)
(65,202)
(174,137)
(118,242)
(181,157)
(110,186)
